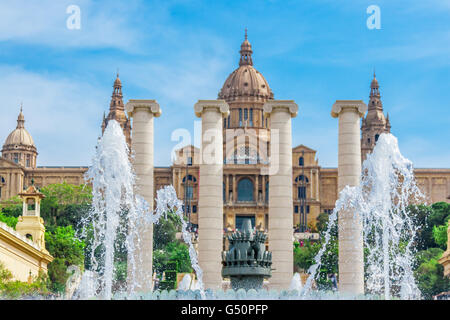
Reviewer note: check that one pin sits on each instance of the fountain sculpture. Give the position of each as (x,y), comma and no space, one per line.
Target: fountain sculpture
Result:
(247,263)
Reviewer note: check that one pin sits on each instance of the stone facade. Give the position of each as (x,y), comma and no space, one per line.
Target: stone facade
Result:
(22,251)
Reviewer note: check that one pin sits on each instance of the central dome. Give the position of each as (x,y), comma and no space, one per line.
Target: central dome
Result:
(246,84)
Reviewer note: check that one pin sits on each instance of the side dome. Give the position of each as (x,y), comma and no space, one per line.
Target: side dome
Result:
(20,138)
(246,83)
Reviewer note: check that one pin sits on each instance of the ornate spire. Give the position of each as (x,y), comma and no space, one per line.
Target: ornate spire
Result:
(246,52)
(375,96)
(117,110)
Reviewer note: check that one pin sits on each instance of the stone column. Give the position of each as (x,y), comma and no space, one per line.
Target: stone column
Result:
(280,113)
(351,259)
(210,218)
(143,112)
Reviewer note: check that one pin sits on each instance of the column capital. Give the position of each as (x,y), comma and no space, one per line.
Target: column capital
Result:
(220,105)
(150,105)
(357,106)
(288,105)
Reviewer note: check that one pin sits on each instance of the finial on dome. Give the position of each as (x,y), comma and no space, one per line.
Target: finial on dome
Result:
(246,52)
(21,118)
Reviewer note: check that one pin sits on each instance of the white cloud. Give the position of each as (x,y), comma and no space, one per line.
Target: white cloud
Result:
(62,115)
(44,23)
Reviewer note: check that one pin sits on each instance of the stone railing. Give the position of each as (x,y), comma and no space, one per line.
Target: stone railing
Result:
(10,230)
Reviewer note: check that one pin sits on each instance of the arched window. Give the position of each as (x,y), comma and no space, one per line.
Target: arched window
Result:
(245,190)
(2,180)
(376,137)
(190,179)
(267,191)
(301,161)
(301,178)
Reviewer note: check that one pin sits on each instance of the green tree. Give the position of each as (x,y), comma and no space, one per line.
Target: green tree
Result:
(430,274)
(167,248)
(440,235)
(65,204)
(9,220)
(10,210)
(14,289)
(67,250)
(322,222)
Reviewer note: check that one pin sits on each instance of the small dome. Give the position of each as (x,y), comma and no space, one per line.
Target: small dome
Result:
(20,137)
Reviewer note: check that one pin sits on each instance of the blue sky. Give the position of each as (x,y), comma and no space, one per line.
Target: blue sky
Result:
(177,52)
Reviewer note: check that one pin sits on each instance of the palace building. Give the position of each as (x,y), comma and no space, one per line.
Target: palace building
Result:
(246,135)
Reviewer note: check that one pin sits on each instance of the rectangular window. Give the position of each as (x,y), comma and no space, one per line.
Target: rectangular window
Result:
(245,114)
(194,209)
(240,117)
(301,193)
(307,209)
(28,161)
(189,192)
(251,117)
(262,119)
(16,157)
(189,161)
(229,119)
(296,209)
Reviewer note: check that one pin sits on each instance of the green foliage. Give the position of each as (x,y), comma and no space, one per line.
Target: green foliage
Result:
(430,274)
(164,231)
(65,204)
(13,289)
(440,235)
(67,250)
(170,281)
(426,217)
(322,222)
(431,222)
(304,258)
(9,220)
(167,247)
(10,210)
(174,251)
(11,207)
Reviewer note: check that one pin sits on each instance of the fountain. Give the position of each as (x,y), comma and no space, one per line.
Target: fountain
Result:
(116,210)
(247,263)
(380,202)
